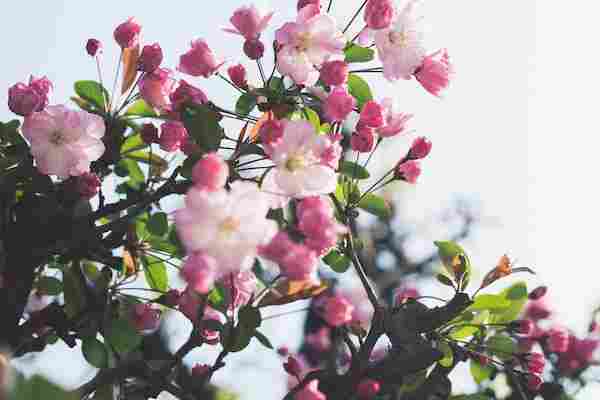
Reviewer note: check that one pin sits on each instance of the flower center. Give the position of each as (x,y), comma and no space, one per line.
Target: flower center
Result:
(399,38)
(304,42)
(56,138)
(228,226)
(295,162)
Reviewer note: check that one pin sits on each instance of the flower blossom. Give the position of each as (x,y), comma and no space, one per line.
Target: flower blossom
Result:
(249,22)
(127,34)
(228,226)
(296,261)
(239,287)
(317,222)
(337,310)
(145,317)
(25,99)
(199,60)
(302,164)
(156,87)
(306,43)
(435,72)
(64,142)
(199,272)
(394,121)
(210,172)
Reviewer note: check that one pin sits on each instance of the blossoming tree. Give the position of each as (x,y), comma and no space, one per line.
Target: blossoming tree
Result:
(88,237)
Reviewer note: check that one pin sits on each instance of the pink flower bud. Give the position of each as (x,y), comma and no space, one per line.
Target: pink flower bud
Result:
(127,34)
(372,115)
(404,294)
(149,133)
(538,293)
(88,185)
(319,340)
(199,271)
(379,14)
(145,318)
(435,72)
(279,246)
(150,58)
(283,351)
(408,171)
(186,94)
(368,389)
(534,382)
(537,309)
(199,60)
(249,22)
(172,135)
(254,49)
(93,46)
(558,340)
(292,366)
(270,133)
(210,172)
(24,100)
(338,104)
(310,392)
(156,87)
(334,73)
(338,311)
(237,74)
(363,140)
(299,263)
(420,148)
(303,3)
(200,371)
(524,326)
(536,363)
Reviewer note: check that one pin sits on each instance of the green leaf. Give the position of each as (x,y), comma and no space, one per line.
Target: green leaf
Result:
(250,317)
(9,132)
(245,104)
(277,85)
(158,224)
(141,109)
(155,273)
(444,280)
(130,168)
(50,286)
(448,358)
(359,89)
(502,346)
(480,372)
(75,300)
(217,299)
(337,261)
(263,340)
(353,170)
(358,54)
(375,205)
(132,143)
(312,117)
(202,124)
(147,157)
(122,336)
(92,92)
(37,387)
(490,302)
(95,352)
(448,249)
(517,296)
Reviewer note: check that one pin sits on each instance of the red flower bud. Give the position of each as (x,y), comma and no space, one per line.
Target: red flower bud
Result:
(149,133)
(420,148)
(534,382)
(368,389)
(254,49)
(538,293)
(292,366)
(92,46)
(150,58)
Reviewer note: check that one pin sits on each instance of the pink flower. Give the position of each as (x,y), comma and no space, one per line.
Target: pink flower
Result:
(319,340)
(292,366)
(310,392)
(279,246)
(92,46)
(536,363)
(299,264)
(338,310)
(172,135)
(537,309)
(379,14)
(339,104)
(244,286)
(64,142)
(237,74)
(249,22)
(127,34)
(303,3)
(156,87)
(435,72)
(538,293)
(368,389)
(88,185)
(228,226)
(24,99)
(189,301)
(149,133)
(199,272)
(420,148)
(145,318)
(408,171)
(211,337)
(558,340)
(534,382)
(403,294)
(199,60)
(299,171)
(524,327)
(311,40)
(372,115)
(363,140)
(334,73)
(317,222)
(186,93)
(150,58)
(271,133)
(210,172)
(254,49)
(394,121)
(400,47)
(200,371)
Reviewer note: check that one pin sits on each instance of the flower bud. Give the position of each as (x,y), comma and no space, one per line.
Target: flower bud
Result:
(149,133)
(338,310)
(372,115)
(254,49)
(88,185)
(420,148)
(200,371)
(270,133)
(145,318)
(237,74)
(535,363)
(292,366)
(93,46)
(534,382)
(339,104)
(172,135)
(538,293)
(127,34)
(303,3)
(408,171)
(435,72)
(186,93)
(199,60)
(334,73)
(283,351)
(24,100)
(150,58)
(363,140)
(368,389)
(210,172)
(558,340)
(379,14)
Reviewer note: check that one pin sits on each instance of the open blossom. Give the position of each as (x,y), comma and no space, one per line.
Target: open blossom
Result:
(379,14)
(199,60)
(172,135)
(156,88)
(296,261)
(64,142)
(228,226)
(400,47)
(337,310)
(244,286)
(334,73)
(127,34)
(249,22)
(150,58)
(145,317)
(210,172)
(88,185)
(306,43)
(186,93)
(300,169)
(558,340)
(339,104)
(394,121)
(317,222)
(26,99)
(421,147)
(363,140)
(435,72)
(199,272)
(372,115)
(579,354)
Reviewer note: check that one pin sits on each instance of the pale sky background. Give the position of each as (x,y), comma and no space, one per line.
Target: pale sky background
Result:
(517,132)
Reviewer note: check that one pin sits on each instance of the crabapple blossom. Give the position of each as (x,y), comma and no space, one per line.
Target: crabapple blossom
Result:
(403,294)
(538,293)
(524,326)
(337,310)
(88,185)
(200,371)
(186,93)
(237,75)
(537,309)
(372,115)
(536,363)
(249,22)
(244,285)
(210,172)
(339,104)
(292,366)
(303,3)
(368,389)
(300,170)
(310,392)
(92,46)
(534,382)
(64,142)
(394,121)
(317,222)
(420,148)
(149,133)
(334,73)
(578,355)
(145,318)
(319,340)
(295,260)
(435,72)
(228,226)
(400,47)
(270,133)
(558,340)
(363,140)
(408,171)
(199,272)
(150,58)
(127,34)
(254,49)
(379,14)
(156,87)
(199,60)
(172,135)
(26,99)
(308,42)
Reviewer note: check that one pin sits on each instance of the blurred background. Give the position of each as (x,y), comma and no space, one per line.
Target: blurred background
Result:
(514,137)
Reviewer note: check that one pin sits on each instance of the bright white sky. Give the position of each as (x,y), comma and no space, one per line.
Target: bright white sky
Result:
(517,131)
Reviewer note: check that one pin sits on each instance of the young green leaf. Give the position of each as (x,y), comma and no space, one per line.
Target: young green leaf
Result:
(141,109)
(375,205)
(245,104)
(358,54)
(158,224)
(480,372)
(122,336)
(94,352)
(337,261)
(92,92)
(155,273)
(353,170)
(359,89)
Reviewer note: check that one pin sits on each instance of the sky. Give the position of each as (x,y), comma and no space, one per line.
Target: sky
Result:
(517,132)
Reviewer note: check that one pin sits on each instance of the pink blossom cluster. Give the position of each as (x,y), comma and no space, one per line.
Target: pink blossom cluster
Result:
(317,223)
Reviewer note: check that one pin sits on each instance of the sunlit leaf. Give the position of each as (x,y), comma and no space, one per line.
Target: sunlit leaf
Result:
(359,89)
(158,224)
(155,273)
(337,261)
(245,104)
(93,93)
(353,170)
(288,291)
(480,372)
(141,109)
(376,205)
(358,54)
